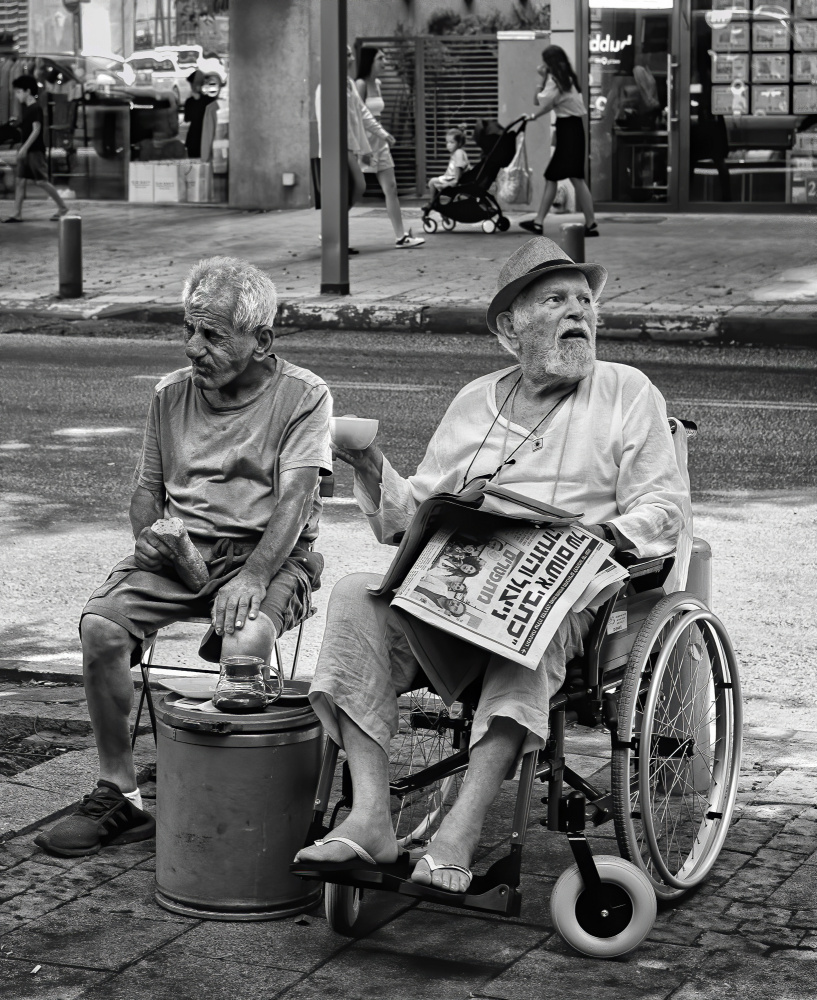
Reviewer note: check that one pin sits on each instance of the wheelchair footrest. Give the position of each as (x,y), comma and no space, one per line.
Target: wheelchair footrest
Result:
(488,893)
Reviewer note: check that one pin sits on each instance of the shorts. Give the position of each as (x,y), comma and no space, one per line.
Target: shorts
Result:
(381,157)
(33,167)
(143,602)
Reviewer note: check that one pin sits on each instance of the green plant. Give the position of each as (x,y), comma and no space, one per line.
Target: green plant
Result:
(530,16)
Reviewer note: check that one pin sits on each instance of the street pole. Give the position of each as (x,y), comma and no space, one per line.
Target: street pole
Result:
(334,168)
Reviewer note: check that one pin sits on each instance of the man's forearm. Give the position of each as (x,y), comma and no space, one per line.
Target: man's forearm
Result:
(145,508)
(370,475)
(278,540)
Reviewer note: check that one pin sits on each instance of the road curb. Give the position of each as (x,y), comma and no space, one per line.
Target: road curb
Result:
(674,323)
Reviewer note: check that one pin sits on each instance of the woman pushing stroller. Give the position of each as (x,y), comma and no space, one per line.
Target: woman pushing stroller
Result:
(561,93)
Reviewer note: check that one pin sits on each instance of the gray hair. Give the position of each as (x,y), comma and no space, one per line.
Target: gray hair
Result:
(248,293)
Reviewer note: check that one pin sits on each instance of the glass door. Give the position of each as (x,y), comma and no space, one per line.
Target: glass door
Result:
(632,61)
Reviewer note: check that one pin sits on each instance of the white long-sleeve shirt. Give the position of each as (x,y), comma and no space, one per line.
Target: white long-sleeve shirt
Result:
(607,452)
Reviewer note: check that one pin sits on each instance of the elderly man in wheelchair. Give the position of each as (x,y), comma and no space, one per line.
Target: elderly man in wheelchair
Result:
(564,428)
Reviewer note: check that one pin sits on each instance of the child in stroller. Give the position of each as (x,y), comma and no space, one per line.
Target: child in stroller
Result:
(468,199)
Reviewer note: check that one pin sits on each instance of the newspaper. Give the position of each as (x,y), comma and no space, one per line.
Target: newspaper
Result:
(509,589)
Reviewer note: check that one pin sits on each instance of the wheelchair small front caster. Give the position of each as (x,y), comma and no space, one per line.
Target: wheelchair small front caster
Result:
(613,923)
(342,906)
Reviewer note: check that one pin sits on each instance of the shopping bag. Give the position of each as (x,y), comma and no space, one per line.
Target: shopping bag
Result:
(513,181)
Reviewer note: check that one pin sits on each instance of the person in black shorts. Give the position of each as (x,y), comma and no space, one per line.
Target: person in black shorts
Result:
(31,165)
(561,93)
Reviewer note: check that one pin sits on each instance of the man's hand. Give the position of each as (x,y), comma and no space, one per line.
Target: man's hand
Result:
(366,159)
(237,600)
(151,551)
(390,139)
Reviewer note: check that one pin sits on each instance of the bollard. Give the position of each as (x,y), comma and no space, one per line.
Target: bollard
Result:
(70,256)
(573,241)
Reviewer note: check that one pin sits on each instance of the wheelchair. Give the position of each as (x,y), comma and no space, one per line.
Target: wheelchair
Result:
(659,674)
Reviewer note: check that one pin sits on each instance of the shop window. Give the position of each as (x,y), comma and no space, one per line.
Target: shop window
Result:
(753,101)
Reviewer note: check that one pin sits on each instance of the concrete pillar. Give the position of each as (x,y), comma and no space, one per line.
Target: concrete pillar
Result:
(270,101)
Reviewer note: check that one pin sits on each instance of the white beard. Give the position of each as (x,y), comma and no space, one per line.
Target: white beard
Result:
(571,359)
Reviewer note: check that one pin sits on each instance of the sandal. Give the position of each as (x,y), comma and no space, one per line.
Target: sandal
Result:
(592,230)
(12,218)
(531,226)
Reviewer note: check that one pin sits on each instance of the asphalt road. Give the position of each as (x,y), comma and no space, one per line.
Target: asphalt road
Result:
(73,408)
(72,412)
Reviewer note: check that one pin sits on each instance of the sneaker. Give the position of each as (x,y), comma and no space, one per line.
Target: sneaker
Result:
(105,817)
(409,240)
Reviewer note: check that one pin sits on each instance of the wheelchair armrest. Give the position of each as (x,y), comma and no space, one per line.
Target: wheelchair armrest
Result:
(657,569)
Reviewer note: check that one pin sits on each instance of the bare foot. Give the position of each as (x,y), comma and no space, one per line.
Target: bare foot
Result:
(443,853)
(380,844)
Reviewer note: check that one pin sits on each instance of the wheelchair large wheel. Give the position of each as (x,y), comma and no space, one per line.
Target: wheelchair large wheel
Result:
(675,771)
(612,925)
(342,906)
(425,738)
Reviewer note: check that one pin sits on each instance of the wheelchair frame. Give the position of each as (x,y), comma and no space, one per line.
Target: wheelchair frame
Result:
(604,900)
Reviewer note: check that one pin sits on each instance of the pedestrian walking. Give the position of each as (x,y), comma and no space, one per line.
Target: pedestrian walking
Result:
(370,62)
(561,93)
(31,163)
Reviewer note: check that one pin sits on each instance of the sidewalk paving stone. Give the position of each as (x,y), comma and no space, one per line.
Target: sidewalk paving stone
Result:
(751,976)
(50,982)
(86,933)
(172,973)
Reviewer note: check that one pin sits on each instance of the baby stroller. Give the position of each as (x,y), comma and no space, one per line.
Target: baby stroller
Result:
(470,200)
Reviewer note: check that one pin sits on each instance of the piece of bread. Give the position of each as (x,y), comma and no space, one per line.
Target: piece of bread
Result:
(187,559)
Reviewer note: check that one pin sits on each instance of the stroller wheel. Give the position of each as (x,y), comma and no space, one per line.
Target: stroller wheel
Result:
(429,225)
(489,226)
(503,224)
(448,224)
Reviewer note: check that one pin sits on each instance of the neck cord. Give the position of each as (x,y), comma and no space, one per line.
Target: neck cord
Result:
(510,459)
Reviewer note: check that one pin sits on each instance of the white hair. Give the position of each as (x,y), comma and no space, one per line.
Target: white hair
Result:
(250,293)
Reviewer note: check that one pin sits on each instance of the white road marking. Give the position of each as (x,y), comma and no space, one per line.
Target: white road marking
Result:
(14,446)
(745,404)
(92,431)
(153,377)
(388,386)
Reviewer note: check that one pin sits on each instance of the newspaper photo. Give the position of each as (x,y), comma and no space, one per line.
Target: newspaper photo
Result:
(508,591)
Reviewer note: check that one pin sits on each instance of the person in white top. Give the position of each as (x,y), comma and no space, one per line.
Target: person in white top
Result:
(370,62)
(557,425)
(562,95)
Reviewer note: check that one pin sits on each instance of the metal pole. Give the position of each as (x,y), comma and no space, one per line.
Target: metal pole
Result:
(70,256)
(334,167)
(573,241)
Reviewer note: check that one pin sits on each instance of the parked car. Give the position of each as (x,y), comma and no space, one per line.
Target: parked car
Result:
(162,71)
(168,66)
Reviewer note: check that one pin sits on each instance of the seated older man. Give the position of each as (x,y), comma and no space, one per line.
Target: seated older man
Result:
(558,426)
(234,447)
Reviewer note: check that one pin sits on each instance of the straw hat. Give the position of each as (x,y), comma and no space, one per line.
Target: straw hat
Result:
(532,261)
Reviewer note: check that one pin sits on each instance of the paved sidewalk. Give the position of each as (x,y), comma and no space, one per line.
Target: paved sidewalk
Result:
(736,277)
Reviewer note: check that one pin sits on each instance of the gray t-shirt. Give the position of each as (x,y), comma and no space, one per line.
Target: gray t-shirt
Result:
(220,467)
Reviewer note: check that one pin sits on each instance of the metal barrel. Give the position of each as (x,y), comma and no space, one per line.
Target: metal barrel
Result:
(573,241)
(234,800)
(70,257)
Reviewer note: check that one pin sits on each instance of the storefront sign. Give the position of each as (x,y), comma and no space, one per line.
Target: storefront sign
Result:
(606,43)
